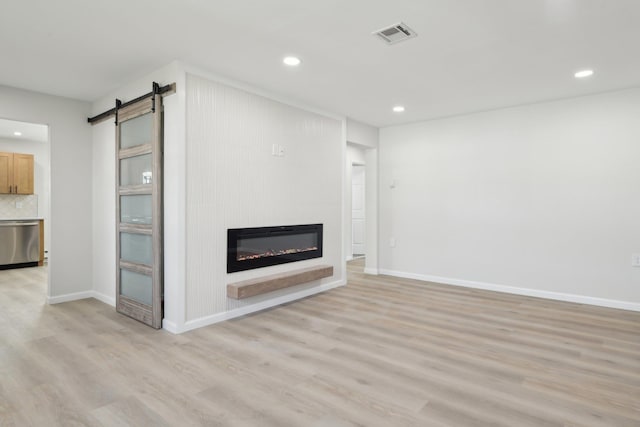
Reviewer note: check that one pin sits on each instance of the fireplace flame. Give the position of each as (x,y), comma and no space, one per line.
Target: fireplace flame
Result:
(273,252)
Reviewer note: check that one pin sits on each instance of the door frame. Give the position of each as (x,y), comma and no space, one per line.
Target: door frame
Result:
(364,208)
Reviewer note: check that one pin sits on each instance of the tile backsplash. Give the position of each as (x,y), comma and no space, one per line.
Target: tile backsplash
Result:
(13,206)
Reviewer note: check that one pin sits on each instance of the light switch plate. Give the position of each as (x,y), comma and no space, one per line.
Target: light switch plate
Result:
(635,260)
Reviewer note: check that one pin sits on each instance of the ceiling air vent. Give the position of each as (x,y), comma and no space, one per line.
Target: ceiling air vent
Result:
(395,33)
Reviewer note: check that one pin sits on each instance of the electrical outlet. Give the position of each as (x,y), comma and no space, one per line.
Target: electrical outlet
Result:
(392,242)
(635,260)
(280,151)
(18,205)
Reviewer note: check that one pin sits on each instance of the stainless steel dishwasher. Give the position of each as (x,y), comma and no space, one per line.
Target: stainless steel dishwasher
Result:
(19,242)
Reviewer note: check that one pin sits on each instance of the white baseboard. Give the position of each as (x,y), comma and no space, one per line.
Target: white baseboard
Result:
(82,295)
(170,326)
(220,317)
(104,298)
(373,271)
(207,320)
(69,297)
(558,296)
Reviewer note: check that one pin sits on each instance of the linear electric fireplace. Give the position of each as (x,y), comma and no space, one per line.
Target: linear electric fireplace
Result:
(249,248)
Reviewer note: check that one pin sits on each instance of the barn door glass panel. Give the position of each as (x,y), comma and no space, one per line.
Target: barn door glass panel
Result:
(136,170)
(136,131)
(136,248)
(136,209)
(136,286)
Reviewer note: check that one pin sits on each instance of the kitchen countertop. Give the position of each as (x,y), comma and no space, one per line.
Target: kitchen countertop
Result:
(22,219)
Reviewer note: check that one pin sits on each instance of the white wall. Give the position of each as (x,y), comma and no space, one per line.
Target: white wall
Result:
(541,199)
(356,155)
(40,151)
(70,248)
(362,134)
(234,181)
(104,208)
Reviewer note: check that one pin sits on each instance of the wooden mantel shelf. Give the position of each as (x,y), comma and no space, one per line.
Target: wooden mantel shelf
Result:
(262,285)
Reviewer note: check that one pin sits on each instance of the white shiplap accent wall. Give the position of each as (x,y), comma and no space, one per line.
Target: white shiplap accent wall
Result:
(233,180)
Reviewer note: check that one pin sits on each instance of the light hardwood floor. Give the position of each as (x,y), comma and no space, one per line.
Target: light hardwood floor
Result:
(381,351)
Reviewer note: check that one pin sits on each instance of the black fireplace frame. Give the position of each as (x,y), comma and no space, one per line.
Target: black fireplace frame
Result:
(235,234)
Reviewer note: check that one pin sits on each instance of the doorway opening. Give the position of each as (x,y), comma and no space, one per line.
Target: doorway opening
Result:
(355,202)
(358,211)
(24,194)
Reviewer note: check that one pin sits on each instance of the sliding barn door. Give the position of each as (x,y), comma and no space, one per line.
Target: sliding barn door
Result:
(139,211)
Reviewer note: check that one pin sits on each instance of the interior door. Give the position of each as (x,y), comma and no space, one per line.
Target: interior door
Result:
(357,210)
(139,211)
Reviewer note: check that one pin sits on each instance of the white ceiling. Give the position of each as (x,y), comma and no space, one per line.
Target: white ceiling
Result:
(470,55)
(28,131)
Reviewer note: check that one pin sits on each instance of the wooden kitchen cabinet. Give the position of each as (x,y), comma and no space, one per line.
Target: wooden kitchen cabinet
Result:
(6,172)
(16,173)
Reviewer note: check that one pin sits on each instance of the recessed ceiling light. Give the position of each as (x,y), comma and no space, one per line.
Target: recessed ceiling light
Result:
(583,73)
(291,61)
(398,109)
(17,133)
